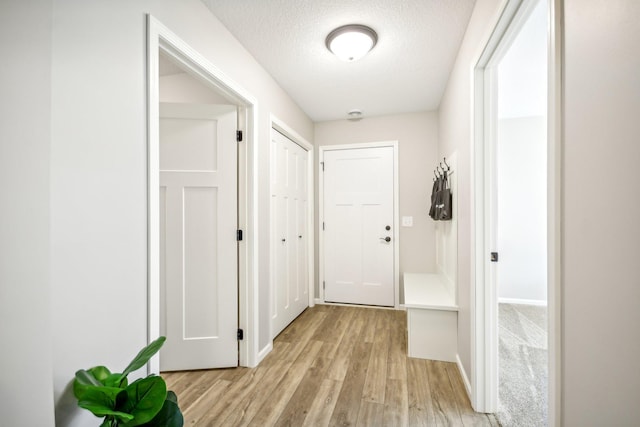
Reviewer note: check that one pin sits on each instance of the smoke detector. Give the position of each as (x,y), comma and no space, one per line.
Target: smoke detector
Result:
(354,115)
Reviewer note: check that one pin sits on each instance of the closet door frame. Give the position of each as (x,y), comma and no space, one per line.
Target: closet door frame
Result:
(280,126)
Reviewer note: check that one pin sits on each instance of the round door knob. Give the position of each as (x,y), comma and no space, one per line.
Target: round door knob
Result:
(284,240)
(386,239)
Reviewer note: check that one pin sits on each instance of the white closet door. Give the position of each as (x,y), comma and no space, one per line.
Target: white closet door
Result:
(198,221)
(289,198)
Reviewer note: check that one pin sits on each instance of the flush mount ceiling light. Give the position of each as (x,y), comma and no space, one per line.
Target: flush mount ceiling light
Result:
(351,42)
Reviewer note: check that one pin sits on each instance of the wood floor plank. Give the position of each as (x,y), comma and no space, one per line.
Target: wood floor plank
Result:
(195,385)
(333,330)
(301,403)
(247,407)
(342,357)
(419,394)
(376,380)
(323,404)
(200,408)
(397,363)
(469,416)
(396,404)
(238,393)
(442,395)
(271,410)
(370,415)
(348,405)
(370,321)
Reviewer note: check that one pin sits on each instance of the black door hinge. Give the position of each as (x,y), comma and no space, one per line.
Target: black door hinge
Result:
(239,235)
(239,135)
(494,256)
(240,335)
(322,163)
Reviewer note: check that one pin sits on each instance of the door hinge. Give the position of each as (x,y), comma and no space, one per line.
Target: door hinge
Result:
(239,235)
(239,135)
(322,225)
(494,256)
(240,335)
(322,164)
(324,285)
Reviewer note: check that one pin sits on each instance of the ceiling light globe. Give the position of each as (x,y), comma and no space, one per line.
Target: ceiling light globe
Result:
(351,42)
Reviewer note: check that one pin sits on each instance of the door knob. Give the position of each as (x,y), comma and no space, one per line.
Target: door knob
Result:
(386,239)
(388,227)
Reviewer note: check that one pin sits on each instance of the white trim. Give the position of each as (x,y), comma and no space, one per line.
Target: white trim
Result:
(396,212)
(161,38)
(540,303)
(264,352)
(555,132)
(483,301)
(463,374)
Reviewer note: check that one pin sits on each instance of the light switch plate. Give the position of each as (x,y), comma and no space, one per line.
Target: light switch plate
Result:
(407,221)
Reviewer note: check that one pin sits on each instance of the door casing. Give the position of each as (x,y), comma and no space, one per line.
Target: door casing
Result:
(160,38)
(396,215)
(484,358)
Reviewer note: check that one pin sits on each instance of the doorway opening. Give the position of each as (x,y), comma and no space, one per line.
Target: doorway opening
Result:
(165,46)
(516,225)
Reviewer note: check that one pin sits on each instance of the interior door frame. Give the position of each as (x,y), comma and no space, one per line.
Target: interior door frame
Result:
(283,128)
(396,214)
(484,327)
(162,39)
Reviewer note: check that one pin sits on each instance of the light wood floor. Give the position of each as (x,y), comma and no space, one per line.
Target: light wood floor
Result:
(333,366)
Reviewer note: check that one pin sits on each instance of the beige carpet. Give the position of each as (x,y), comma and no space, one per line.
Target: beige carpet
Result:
(522,365)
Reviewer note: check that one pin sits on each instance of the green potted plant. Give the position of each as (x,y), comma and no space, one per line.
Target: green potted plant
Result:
(144,402)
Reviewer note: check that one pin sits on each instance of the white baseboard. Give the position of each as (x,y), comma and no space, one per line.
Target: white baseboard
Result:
(465,378)
(542,303)
(263,353)
(318,301)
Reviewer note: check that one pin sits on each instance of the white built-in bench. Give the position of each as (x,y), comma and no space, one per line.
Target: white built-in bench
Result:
(432,317)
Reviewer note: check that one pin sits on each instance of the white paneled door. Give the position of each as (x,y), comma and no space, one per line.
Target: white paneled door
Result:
(289,201)
(198,247)
(359,226)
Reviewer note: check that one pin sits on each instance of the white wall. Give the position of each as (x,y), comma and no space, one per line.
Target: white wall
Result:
(417,136)
(601,238)
(522,209)
(25,134)
(183,88)
(98,173)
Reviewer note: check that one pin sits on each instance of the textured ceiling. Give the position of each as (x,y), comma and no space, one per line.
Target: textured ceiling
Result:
(407,71)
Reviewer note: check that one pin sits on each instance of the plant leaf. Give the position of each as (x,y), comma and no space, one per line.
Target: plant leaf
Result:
(87,378)
(143,356)
(100,373)
(169,415)
(115,380)
(102,411)
(83,380)
(101,400)
(172,397)
(145,397)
